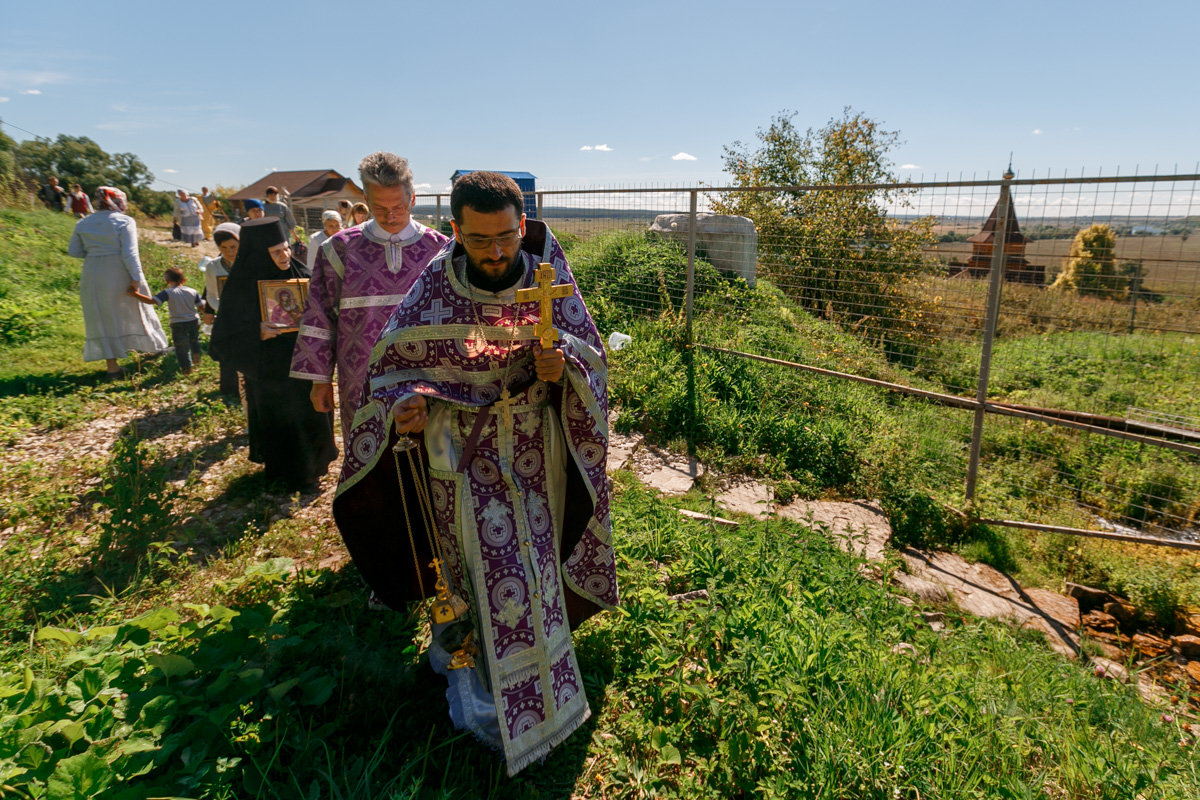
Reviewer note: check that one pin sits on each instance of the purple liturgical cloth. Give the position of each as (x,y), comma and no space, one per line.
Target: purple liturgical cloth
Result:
(358,278)
(523,517)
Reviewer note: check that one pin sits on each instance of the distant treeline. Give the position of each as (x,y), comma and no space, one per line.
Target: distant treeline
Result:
(560,212)
(1067,228)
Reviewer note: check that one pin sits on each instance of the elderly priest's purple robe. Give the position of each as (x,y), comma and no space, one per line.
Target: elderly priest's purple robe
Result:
(524,523)
(359,276)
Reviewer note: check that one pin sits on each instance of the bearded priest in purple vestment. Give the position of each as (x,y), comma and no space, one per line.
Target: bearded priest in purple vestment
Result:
(504,400)
(358,277)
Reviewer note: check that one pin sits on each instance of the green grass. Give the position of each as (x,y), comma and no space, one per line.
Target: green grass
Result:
(790,681)
(167,629)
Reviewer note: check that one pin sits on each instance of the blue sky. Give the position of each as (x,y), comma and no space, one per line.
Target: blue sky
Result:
(608,94)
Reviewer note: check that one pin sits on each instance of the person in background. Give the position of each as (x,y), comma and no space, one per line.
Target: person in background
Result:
(114,322)
(183,305)
(274,208)
(300,244)
(359,213)
(292,440)
(187,214)
(208,204)
(331,223)
(225,236)
(53,195)
(254,210)
(81,206)
(344,207)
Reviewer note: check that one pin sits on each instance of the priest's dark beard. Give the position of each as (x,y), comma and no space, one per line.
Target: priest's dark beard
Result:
(479,279)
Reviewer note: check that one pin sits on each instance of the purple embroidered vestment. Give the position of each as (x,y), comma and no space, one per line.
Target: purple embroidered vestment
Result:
(508,527)
(358,278)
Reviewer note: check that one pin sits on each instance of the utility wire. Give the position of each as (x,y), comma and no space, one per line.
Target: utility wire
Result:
(39,136)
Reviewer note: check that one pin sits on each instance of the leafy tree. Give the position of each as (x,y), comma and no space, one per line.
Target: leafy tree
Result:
(8,163)
(78,159)
(1091,266)
(836,252)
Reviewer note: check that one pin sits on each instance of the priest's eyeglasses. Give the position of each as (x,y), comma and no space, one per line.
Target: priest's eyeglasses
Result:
(477,242)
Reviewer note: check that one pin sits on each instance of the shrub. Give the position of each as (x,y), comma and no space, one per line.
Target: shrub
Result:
(624,276)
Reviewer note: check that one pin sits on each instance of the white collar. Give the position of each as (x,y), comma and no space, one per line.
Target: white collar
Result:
(376,231)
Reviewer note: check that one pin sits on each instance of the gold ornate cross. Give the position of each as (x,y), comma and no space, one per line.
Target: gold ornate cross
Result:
(543,294)
(506,403)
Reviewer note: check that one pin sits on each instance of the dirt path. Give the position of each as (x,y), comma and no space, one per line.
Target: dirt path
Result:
(162,236)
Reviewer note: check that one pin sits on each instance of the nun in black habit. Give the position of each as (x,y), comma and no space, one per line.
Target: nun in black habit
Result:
(293,441)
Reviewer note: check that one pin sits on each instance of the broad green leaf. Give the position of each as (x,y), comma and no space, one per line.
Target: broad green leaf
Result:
(201,609)
(659,738)
(280,689)
(87,683)
(134,745)
(79,777)
(157,715)
(170,664)
(8,771)
(100,631)
(134,634)
(318,690)
(57,635)
(155,620)
(69,729)
(35,754)
(275,569)
(669,754)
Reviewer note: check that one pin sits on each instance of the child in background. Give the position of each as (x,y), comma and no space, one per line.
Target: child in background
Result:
(183,305)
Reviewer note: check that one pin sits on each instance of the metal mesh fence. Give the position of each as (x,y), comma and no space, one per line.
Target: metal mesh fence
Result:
(1076,299)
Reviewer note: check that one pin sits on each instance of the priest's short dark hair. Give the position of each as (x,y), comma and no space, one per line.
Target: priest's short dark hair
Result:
(485,193)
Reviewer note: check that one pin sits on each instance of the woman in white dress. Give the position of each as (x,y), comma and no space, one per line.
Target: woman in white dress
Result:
(188,212)
(116,324)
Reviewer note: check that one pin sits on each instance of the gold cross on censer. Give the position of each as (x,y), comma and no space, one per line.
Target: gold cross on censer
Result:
(543,294)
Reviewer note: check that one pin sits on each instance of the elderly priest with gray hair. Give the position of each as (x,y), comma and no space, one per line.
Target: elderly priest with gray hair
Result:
(358,277)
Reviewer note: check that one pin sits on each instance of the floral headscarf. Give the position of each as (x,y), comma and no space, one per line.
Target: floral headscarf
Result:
(108,198)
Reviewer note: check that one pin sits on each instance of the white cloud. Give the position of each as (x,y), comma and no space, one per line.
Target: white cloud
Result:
(171,171)
(604,148)
(586,147)
(422,185)
(127,125)
(681,156)
(646,158)
(31,91)
(3,99)
(30,77)
(1037,131)
(909,166)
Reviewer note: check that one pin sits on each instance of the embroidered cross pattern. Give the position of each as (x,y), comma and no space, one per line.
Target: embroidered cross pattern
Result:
(543,294)
(505,404)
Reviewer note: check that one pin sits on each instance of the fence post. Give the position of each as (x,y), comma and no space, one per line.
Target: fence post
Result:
(995,285)
(1135,288)
(437,220)
(691,267)
(689,352)
(541,207)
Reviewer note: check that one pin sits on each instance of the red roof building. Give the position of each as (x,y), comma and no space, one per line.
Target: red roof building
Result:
(308,192)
